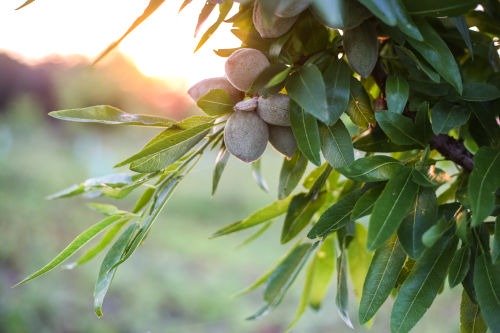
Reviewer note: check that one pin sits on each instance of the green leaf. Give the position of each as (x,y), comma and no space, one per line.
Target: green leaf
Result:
(420,64)
(321,269)
(336,145)
(265,214)
(220,165)
(224,9)
(291,173)
(399,129)
(166,149)
(306,131)
(144,199)
(258,176)
(109,266)
(359,259)
(459,266)
(361,48)
(445,116)
(435,233)
(283,277)
(339,14)
(374,140)
(365,203)
(391,208)
(439,8)
(405,23)
(335,217)
(480,92)
(109,115)
(381,9)
(216,102)
(307,88)
(397,91)
(342,296)
(100,246)
(423,215)
(372,168)
(300,212)
(495,252)
(471,320)
(437,54)
(462,27)
(337,78)
(422,285)
(487,286)
(483,182)
(77,243)
(381,278)
(360,109)
(153,5)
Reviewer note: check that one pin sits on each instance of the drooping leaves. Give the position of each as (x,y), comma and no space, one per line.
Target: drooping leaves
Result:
(291,173)
(342,296)
(382,275)
(306,131)
(109,115)
(391,208)
(487,287)
(422,285)
(483,182)
(220,164)
(336,145)
(459,266)
(307,88)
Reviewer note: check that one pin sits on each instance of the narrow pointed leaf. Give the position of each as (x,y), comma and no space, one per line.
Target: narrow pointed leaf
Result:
(108,266)
(372,169)
(361,48)
(471,320)
(360,109)
(224,9)
(463,29)
(480,92)
(258,176)
(335,217)
(109,115)
(307,88)
(487,286)
(77,243)
(446,116)
(438,55)
(404,20)
(25,4)
(322,268)
(423,215)
(365,203)
(216,102)
(300,212)
(265,214)
(381,278)
(153,5)
(359,259)
(337,78)
(336,145)
(495,252)
(397,91)
(390,208)
(342,296)
(484,180)
(382,9)
(220,165)
(422,285)
(459,266)
(306,131)
(291,173)
(399,129)
(439,8)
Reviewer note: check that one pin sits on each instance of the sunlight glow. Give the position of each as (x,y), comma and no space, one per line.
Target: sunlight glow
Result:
(162,47)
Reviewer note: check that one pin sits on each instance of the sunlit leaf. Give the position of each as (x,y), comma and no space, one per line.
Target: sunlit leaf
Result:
(291,173)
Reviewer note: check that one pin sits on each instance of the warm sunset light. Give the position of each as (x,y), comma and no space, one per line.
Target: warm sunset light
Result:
(162,47)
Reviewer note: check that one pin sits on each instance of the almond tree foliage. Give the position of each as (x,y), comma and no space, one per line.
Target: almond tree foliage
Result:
(395,104)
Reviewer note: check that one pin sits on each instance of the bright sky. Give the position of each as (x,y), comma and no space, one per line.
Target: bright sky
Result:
(162,47)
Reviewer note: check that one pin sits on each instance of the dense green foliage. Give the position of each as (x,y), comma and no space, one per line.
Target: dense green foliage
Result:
(401,99)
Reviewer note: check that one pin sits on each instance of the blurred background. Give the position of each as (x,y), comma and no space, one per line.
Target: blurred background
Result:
(179,280)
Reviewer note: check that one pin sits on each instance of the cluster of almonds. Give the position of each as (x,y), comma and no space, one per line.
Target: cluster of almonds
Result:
(255,120)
